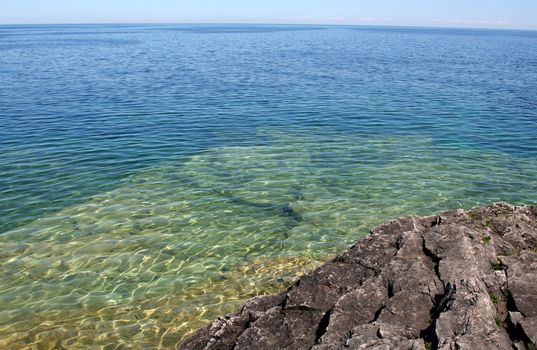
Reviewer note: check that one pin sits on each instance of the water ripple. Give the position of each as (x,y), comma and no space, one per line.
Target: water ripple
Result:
(153,178)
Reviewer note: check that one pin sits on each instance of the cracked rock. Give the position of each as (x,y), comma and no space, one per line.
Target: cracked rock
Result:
(463,279)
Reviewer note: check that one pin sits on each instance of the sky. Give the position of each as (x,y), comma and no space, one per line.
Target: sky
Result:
(520,14)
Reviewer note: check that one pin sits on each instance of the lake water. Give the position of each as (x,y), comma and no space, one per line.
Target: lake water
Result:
(154,177)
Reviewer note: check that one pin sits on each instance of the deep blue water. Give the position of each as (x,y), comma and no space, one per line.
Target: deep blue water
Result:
(204,150)
(101,102)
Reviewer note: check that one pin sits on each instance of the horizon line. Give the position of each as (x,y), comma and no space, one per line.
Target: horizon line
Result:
(417,26)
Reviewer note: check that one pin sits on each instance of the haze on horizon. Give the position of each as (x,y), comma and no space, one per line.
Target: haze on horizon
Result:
(516,14)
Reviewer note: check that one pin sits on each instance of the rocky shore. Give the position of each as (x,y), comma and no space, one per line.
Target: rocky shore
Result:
(464,279)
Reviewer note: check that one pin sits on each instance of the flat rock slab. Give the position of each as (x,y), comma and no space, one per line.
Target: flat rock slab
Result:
(464,279)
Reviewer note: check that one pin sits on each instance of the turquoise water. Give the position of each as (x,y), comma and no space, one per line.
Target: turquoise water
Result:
(154,177)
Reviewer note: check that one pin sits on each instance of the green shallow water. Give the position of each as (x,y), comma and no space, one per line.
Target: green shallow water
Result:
(153,177)
(182,242)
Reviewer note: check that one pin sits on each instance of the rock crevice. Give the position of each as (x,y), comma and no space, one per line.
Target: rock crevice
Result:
(464,279)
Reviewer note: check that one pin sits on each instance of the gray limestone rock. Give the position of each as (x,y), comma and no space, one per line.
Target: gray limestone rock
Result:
(458,280)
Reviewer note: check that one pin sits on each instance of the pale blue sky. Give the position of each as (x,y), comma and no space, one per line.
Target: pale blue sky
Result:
(453,13)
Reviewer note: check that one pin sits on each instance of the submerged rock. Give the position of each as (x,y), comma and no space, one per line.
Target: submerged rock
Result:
(458,280)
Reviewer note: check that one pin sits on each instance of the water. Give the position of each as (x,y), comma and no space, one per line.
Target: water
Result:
(154,177)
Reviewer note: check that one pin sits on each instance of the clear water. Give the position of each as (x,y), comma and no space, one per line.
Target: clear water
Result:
(154,177)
